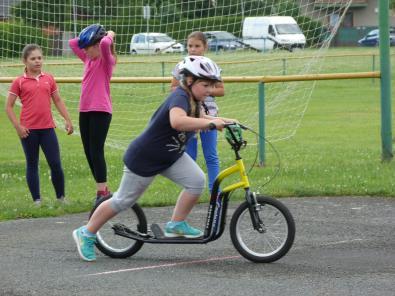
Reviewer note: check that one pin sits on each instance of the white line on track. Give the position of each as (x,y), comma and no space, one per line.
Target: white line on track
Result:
(343,242)
(164,265)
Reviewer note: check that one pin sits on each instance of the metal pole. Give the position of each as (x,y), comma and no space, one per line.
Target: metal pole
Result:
(373,66)
(284,66)
(242,10)
(261,94)
(75,19)
(385,69)
(163,75)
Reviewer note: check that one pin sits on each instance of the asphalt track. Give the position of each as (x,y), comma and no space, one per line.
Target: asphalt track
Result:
(343,246)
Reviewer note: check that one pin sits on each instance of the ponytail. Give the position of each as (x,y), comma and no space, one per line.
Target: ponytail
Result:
(195,106)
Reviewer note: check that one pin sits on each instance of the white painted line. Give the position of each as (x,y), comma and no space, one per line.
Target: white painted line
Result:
(343,242)
(164,265)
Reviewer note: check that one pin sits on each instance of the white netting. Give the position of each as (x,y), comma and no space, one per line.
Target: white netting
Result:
(50,24)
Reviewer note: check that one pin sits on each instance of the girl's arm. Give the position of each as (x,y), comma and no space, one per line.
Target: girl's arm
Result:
(227,120)
(179,120)
(22,131)
(63,111)
(73,43)
(218,90)
(105,47)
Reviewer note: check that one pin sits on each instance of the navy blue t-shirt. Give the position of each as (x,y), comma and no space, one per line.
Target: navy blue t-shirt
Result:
(159,145)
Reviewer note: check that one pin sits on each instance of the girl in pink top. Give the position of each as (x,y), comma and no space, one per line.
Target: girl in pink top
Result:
(36,90)
(95,47)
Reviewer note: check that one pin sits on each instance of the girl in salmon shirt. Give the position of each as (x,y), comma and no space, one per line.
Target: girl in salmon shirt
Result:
(95,47)
(36,90)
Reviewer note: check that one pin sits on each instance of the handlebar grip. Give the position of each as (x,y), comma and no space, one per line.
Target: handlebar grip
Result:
(243,126)
(212,126)
(235,123)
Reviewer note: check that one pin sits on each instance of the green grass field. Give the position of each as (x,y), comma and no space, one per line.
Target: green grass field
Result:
(336,150)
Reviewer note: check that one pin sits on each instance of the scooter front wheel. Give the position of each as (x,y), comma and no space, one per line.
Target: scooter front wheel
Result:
(117,246)
(275,237)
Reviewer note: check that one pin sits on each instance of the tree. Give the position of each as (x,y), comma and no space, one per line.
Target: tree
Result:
(40,14)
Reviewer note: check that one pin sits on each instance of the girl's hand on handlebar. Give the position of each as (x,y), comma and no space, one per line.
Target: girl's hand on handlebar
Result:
(217,123)
(229,120)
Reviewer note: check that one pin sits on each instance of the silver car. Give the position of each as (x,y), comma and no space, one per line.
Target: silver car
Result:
(149,43)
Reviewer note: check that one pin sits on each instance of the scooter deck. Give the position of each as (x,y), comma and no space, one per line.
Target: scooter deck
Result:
(157,235)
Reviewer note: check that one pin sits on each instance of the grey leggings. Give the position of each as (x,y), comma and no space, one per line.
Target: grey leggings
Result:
(184,172)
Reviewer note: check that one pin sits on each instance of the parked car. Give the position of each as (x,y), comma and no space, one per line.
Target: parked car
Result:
(222,40)
(154,43)
(372,38)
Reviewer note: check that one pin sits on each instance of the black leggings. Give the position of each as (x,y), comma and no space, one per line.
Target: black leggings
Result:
(94,128)
(47,140)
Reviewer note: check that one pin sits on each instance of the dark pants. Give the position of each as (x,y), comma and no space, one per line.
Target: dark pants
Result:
(47,140)
(94,128)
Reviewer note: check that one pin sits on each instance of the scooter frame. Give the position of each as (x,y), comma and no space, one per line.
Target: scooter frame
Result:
(217,209)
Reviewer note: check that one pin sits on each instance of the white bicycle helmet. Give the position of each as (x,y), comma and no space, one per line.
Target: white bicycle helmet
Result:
(201,68)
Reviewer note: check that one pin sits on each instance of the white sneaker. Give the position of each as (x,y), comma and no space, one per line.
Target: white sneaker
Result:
(63,201)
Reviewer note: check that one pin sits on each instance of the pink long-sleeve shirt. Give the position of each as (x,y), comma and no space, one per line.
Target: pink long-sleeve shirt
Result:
(95,89)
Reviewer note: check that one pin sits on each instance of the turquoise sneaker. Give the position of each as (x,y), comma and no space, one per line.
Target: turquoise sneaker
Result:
(85,245)
(177,229)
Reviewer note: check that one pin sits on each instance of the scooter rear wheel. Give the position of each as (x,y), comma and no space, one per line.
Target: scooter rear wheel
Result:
(117,246)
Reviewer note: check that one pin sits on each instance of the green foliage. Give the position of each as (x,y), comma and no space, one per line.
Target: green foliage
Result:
(16,35)
(203,8)
(198,8)
(287,8)
(42,13)
(177,18)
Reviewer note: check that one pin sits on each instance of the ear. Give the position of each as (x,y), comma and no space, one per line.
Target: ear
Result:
(189,80)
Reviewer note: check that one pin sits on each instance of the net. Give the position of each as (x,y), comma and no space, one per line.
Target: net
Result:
(267,37)
(265,46)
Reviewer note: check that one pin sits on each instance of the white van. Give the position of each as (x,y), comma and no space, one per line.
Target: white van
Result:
(270,32)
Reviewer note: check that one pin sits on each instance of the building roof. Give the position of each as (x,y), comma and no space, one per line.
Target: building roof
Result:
(339,3)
